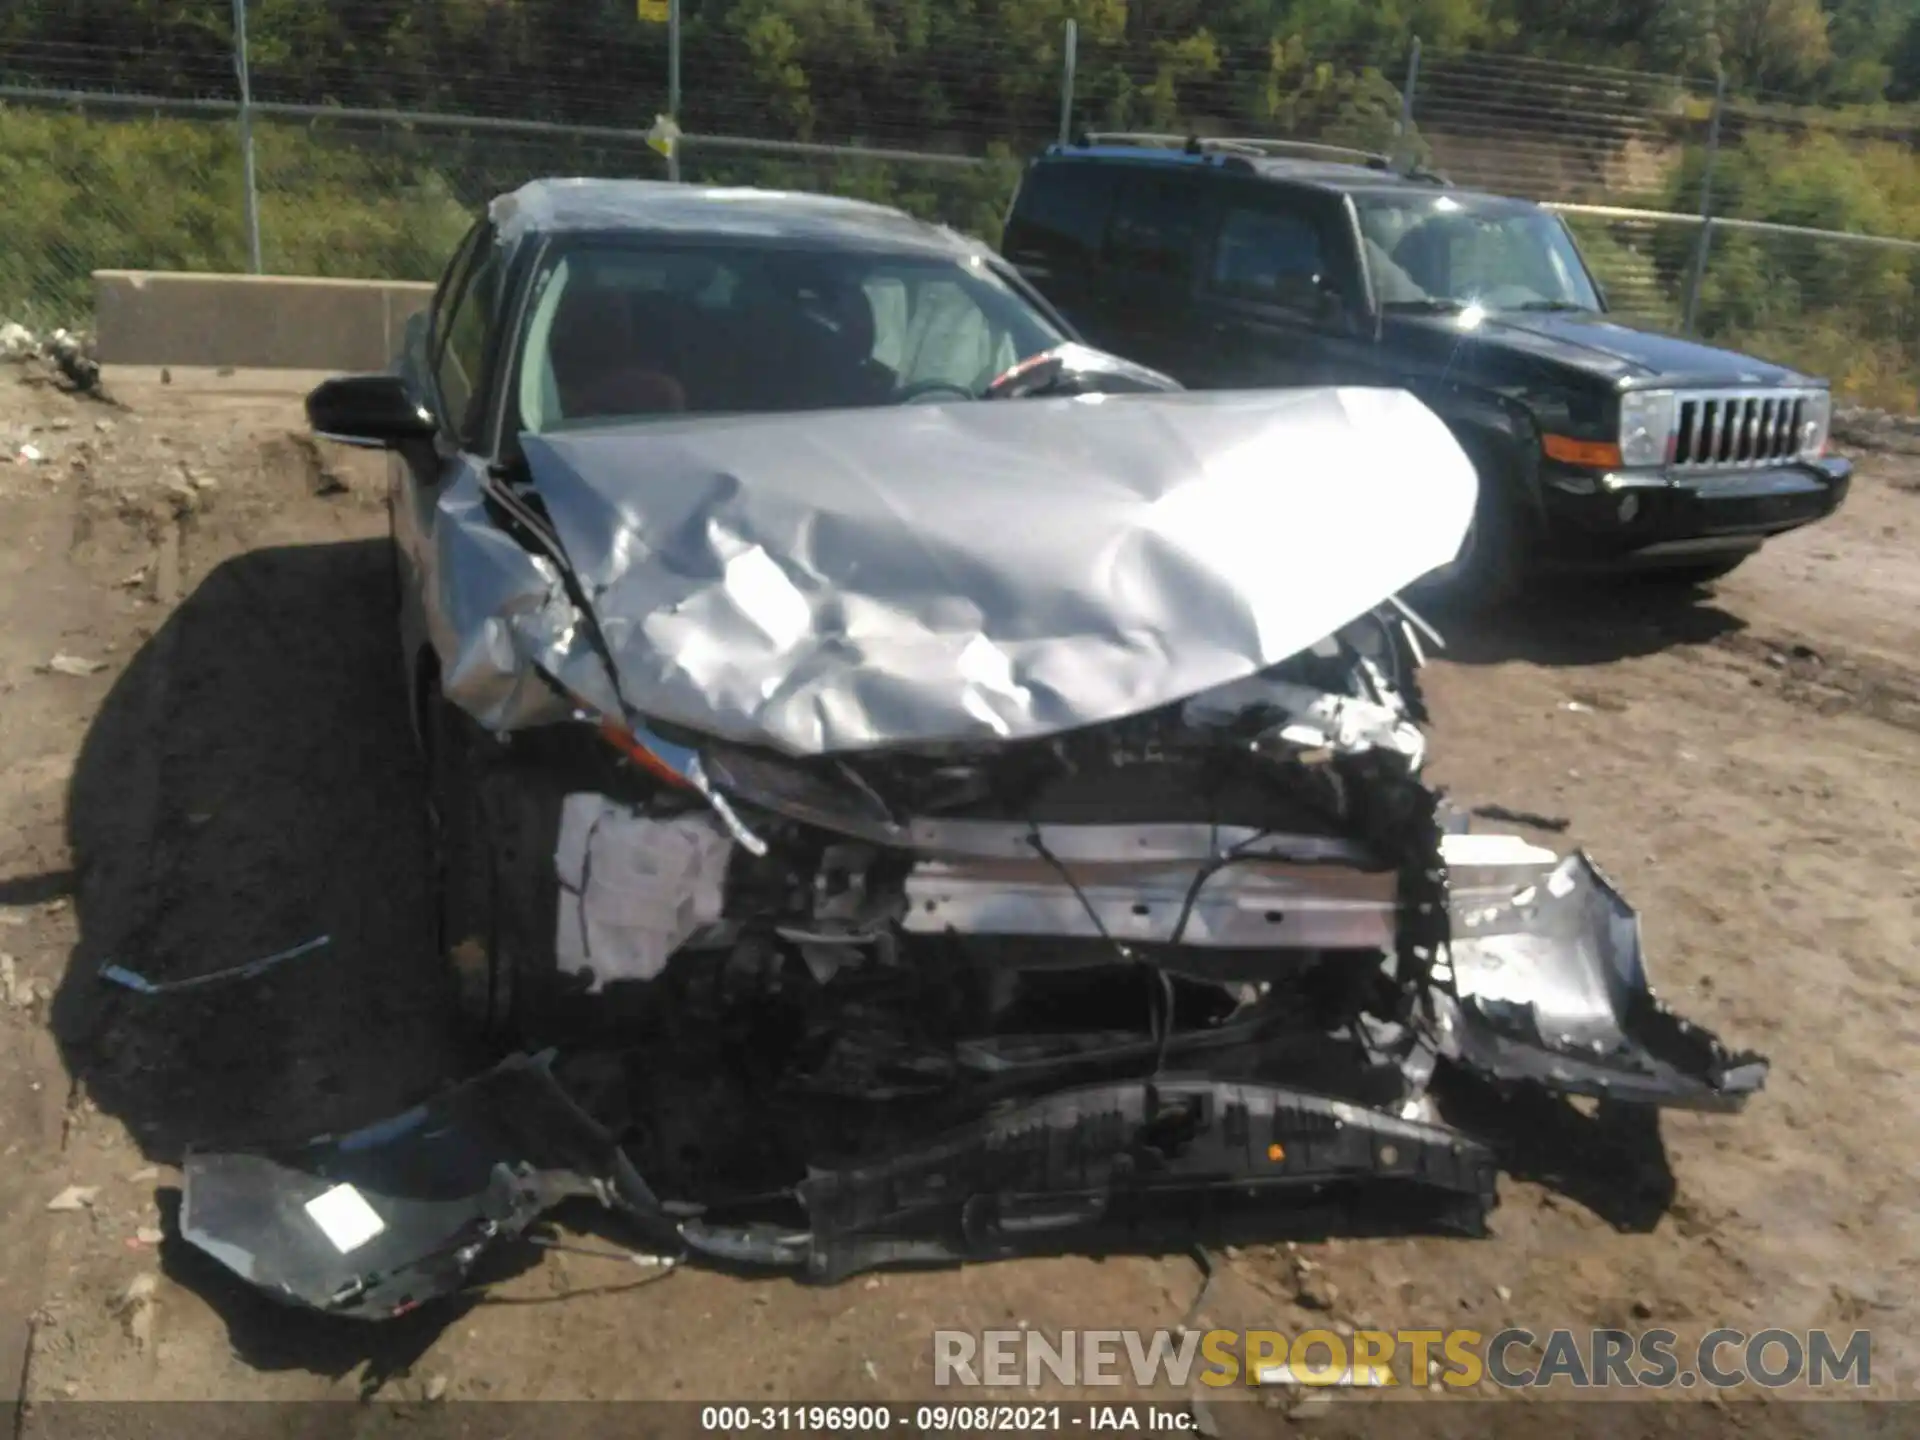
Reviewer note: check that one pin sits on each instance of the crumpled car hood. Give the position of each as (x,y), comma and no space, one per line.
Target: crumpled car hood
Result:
(960,573)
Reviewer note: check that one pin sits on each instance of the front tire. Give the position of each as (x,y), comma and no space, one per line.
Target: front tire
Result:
(1488,572)
(466,884)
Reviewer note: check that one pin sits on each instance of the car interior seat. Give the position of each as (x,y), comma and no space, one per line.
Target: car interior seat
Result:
(1420,256)
(603,364)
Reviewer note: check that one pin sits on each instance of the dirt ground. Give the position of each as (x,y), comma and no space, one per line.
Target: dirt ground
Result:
(216,768)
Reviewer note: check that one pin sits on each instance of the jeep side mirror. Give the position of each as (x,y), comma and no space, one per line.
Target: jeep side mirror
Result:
(376,412)
(1310,295)
(1330,306)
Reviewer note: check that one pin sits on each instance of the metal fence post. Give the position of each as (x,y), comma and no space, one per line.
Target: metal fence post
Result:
(673,84)
(252,188)
(1069,66)
(1405,128)
(1697,276)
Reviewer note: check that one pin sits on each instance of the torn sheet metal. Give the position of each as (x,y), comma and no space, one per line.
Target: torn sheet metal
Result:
(1548,985)
(634,888)
(495,612)
(921,575)
(374,1223)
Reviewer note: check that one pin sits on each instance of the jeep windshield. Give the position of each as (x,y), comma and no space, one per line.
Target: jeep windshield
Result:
(619,330)
(1444,253)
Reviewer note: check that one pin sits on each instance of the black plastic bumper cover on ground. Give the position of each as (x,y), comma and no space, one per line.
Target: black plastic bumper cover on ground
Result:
(373,1223)
(1120,1166)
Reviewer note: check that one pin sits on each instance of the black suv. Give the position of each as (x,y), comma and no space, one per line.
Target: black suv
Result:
(1231,263)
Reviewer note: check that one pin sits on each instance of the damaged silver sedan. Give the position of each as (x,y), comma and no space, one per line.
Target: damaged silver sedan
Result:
(939,791)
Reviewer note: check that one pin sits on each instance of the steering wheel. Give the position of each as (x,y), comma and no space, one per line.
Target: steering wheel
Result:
(925,390)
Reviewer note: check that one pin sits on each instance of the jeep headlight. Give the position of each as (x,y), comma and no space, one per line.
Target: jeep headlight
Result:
(1816,420)
(1646,428)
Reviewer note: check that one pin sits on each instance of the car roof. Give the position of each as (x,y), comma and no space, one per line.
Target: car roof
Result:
(1333,176)
(595,206)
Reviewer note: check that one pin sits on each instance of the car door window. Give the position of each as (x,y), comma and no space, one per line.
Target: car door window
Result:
(451,283)
(1155,227)
(459,367)
(932,331)
(1272,254)
(1264,255)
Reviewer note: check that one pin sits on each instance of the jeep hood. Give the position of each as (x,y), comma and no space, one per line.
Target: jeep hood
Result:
(1596,345)
(924,575)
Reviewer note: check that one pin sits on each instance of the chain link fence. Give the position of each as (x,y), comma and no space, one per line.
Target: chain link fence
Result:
(1765,226)
(1552,131)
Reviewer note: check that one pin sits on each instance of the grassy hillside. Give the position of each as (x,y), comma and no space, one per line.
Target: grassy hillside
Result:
(89,193)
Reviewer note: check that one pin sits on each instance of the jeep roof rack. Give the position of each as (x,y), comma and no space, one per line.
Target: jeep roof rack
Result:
(1257,146)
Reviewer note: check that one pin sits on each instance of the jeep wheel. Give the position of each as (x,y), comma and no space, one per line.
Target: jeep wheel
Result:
(1487,572)
(1688,576)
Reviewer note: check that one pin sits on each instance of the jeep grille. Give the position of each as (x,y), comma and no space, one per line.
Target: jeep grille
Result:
(1737,428)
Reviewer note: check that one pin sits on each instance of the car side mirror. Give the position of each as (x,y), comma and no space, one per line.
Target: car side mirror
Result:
(1312,296)
(377,412)
(1330,308)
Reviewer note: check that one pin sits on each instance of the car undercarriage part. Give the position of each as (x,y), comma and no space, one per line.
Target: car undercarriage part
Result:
(1124,1166)
(1186,974)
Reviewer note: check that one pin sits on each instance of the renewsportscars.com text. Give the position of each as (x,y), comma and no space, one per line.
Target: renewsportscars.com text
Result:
(1510,1359)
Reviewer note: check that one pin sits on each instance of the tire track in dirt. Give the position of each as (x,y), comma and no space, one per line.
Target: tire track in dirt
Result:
(1826,680)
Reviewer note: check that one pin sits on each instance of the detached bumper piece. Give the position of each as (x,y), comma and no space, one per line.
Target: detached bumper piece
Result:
(1126,1166)
(375,1223)
(1549,988)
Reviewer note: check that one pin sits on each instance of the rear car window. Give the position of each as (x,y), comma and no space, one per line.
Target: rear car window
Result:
(1060,215)
(1155,225)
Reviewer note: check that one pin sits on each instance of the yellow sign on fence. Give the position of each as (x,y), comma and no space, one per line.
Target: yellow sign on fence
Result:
(656,12)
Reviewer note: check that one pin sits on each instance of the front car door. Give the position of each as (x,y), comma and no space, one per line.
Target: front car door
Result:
(1282,297)
(446,362)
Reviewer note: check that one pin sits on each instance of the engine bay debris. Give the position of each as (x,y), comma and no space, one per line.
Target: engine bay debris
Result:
(919,1031)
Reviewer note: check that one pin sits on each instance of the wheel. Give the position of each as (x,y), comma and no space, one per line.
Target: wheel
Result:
(1488,571)
(494,825)
(465,883)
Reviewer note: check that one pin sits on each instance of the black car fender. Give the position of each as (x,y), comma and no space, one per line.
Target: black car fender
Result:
(1502,439)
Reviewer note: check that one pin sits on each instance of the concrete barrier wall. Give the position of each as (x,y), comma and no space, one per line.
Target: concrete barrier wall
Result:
(270,322)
